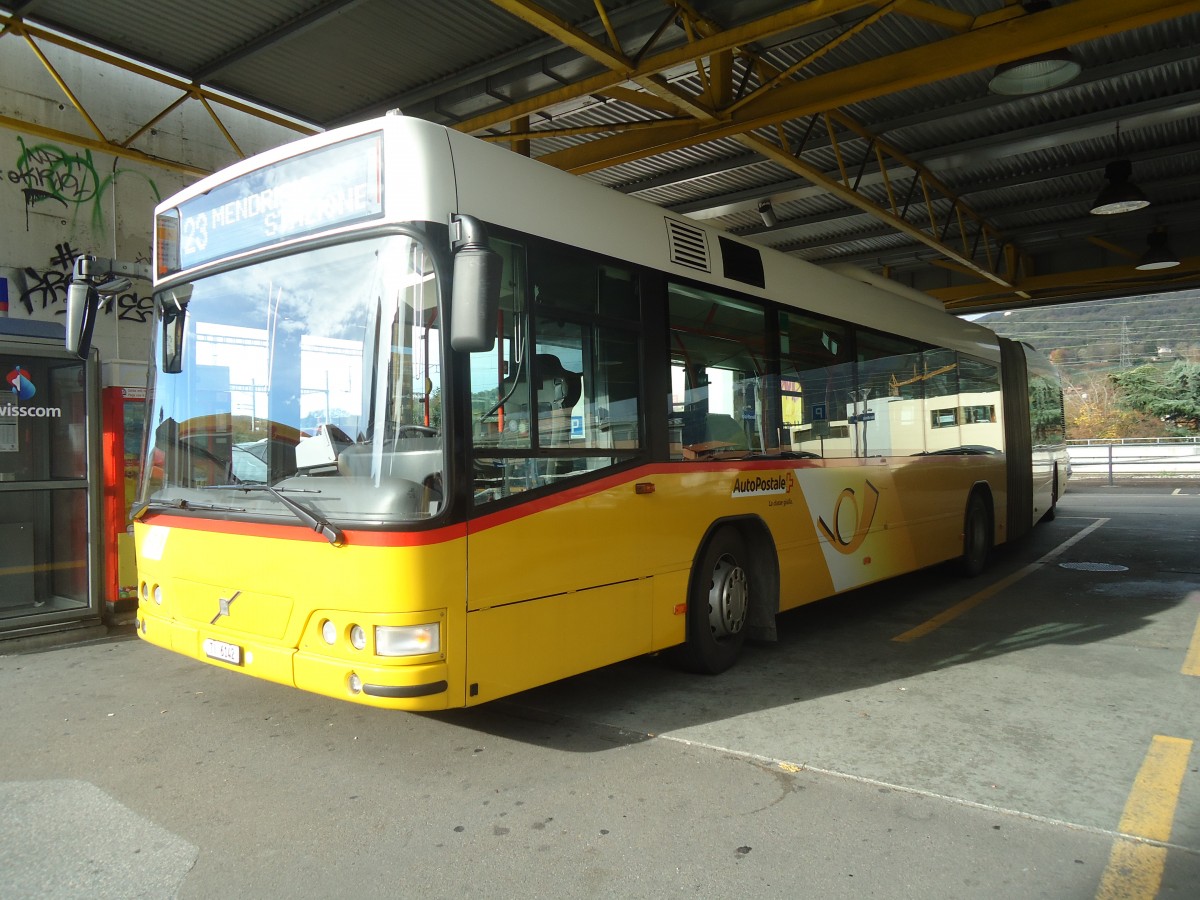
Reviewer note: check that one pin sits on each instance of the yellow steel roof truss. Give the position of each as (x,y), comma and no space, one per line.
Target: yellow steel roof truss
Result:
(976,247)
(123,148)
(716,82)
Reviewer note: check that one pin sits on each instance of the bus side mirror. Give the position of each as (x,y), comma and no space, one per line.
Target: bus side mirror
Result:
(173,319)
(475,299)
(82,303)
(172,314)
(92,278)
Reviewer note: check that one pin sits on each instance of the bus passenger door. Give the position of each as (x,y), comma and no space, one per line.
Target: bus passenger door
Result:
(557,569)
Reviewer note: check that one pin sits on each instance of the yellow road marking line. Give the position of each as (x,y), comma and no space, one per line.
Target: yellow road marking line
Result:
(42,567)
(1134,870)
(991,590)
(1191,662)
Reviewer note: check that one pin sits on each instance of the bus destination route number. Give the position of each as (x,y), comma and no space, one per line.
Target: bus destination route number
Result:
(333,186)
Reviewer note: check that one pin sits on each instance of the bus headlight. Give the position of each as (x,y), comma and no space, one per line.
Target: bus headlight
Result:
(329,632)
(408,640)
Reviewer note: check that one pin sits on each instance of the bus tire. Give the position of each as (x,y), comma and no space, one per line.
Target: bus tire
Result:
(1050,513)
(977,536)
(719,601)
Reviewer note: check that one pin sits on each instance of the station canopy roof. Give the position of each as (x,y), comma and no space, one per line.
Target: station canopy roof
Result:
(840,131)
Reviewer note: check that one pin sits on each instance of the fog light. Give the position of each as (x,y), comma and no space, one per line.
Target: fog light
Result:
(355,684)
(407,640)
(329,632)
(358,637)
(158,594)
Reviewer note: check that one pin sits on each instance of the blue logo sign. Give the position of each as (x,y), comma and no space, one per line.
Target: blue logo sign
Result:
(19,383)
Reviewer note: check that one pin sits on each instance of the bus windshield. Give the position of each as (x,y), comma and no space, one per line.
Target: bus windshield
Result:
(316,376)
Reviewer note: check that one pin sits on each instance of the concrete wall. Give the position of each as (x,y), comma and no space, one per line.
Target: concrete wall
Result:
(59,199)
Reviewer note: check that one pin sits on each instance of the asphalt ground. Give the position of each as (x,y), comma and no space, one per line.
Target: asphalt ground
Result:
(1027,733)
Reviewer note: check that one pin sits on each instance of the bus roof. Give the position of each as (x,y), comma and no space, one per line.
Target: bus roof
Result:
(462,174)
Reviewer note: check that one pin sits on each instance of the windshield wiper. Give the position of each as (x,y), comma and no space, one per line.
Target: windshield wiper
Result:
(313,520)
(138,513)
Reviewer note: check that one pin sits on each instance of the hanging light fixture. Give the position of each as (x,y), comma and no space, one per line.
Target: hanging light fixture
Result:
(1158,254)
(1120,195)
(1033,74)
(767,211)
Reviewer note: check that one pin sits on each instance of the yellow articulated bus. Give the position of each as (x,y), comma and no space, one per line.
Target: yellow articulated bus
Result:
(430,423)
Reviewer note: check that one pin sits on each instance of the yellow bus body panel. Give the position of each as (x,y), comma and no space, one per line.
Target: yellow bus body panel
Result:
(280,588)
(558,585)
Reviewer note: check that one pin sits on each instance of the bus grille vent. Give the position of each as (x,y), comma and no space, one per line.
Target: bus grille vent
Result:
(689,245)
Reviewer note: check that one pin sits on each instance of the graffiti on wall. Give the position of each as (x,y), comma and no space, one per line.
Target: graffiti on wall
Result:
(50,176)
(69,186)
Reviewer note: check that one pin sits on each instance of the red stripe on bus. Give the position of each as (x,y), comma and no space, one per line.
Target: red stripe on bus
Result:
(300,533)
(480,523)
(582,491)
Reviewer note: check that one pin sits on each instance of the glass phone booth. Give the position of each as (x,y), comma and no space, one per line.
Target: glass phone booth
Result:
(50,484)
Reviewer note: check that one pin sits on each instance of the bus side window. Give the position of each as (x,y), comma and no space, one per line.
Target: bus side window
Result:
(573,362)
(816,376)
(981,406)
(942,417)
(887,417)
(718,375)
(558,390)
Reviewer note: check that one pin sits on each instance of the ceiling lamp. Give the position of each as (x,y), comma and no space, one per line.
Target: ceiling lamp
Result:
(1158,255)
(1120,195)
(1032,74)
(766,210)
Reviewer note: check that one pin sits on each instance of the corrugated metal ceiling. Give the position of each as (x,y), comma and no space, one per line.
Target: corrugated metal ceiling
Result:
(1025,168)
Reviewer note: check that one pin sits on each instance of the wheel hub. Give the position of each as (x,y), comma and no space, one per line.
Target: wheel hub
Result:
(728,598)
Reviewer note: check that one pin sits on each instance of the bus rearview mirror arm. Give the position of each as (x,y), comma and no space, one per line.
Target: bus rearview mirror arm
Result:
(475,298)
(91,278)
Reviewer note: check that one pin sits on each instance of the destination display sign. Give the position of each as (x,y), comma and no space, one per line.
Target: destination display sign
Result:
(326,188)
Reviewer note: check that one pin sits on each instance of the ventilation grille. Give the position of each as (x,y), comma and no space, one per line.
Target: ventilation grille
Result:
(689,245)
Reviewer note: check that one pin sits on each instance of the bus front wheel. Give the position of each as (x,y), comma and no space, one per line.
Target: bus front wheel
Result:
(718,604)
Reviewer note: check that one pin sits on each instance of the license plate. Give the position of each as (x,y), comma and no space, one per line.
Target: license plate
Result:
(230,653)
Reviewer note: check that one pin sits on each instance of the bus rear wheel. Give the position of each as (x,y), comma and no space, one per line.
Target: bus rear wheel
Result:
(977,537)
(1050,513)
(718,604)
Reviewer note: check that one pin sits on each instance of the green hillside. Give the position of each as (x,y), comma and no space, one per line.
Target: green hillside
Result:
(1129,366)
(1108,335)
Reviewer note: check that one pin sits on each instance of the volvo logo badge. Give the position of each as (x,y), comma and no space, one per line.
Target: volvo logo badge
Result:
(225,603)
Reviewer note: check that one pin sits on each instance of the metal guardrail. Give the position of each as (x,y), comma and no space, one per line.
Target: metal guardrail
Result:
(1135,458)
(1131,442)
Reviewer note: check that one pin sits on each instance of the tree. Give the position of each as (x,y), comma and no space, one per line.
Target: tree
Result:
(1171,395)
(1093,412)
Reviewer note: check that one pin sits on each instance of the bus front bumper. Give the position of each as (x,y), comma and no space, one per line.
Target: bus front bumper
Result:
(418,687)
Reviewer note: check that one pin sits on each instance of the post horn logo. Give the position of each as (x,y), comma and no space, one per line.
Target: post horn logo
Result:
(20,384)
(863,519)
(223,604)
